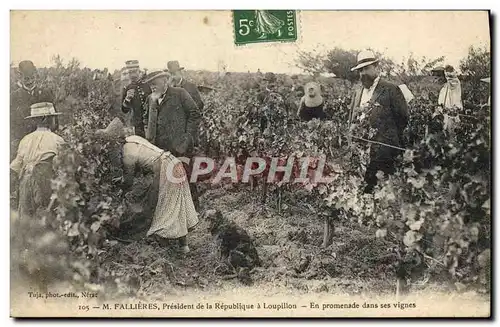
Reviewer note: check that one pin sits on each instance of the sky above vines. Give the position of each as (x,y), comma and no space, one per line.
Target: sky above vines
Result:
(203,40)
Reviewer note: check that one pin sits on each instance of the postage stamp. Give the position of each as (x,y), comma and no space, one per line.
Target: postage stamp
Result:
(259,26)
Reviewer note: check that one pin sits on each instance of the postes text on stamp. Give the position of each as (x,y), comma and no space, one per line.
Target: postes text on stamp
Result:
(258,26)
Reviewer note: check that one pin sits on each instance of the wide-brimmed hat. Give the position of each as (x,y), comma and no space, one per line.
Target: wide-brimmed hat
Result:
(132,64)
(174,66)
(155,75)
(115,129)
(486,80)
(317,99)
(270,77)
(365,58)
(27,68)
(42,109)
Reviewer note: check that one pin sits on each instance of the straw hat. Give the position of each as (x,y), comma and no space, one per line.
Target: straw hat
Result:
(365,58)
(115,129)
(42,109)
(132,64)
(317,99)
(155,75)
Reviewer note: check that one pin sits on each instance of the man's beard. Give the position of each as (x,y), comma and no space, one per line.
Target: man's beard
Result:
(160,90)
(367,80)
(28,83)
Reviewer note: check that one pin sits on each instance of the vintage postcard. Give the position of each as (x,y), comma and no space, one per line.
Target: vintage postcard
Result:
(250,163)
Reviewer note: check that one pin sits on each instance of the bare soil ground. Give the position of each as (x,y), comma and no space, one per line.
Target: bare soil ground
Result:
(357,267)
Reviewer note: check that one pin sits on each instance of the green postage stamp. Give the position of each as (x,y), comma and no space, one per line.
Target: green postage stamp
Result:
(258,26)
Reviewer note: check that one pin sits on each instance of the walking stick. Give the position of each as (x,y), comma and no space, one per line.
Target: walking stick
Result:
(380,143)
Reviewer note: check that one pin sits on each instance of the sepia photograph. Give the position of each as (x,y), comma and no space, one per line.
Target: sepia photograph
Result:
(250,163)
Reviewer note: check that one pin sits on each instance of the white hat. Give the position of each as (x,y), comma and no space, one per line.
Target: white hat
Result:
(365,58)
(42,109)
(315,101)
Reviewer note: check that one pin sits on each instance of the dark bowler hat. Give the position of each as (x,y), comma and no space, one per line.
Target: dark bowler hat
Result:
(27,68)
(174,66)
(269,77)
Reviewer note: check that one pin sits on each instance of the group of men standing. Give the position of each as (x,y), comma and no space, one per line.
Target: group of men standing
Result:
(165,109)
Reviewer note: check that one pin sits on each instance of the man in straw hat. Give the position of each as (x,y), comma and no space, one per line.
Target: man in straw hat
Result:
(28,92)
(173,119)
(135,95)
(169,201)
(33,163)
(385,106)
(176,70)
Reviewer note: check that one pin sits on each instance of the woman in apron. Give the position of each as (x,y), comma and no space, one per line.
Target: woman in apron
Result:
(174,212)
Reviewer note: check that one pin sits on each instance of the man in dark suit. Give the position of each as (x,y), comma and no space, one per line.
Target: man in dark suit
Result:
(173,119)
(134,96)
(27,92)
(180,81)
(385,107)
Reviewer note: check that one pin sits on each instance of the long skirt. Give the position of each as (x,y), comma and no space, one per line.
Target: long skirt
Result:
(35,189)
(175,212)
(158,206)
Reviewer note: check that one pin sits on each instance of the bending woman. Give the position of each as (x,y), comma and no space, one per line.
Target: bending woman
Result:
(174,213)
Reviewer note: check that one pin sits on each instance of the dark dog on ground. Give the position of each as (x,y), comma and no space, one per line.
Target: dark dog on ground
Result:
(237,247)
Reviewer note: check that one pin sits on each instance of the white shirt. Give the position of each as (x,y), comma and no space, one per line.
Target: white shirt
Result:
(160,99)
(368,93)
(35,147)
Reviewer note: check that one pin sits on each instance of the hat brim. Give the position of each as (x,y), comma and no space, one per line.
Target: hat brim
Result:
(175,70)
(152,78)
(48,115)
(368,63)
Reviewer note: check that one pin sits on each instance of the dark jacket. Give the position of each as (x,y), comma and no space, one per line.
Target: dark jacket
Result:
(389,118)
(173,123)
(192,89)
(308,113)
(142,91)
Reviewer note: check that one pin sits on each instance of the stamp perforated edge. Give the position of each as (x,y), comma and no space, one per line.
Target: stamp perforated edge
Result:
(298,22)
